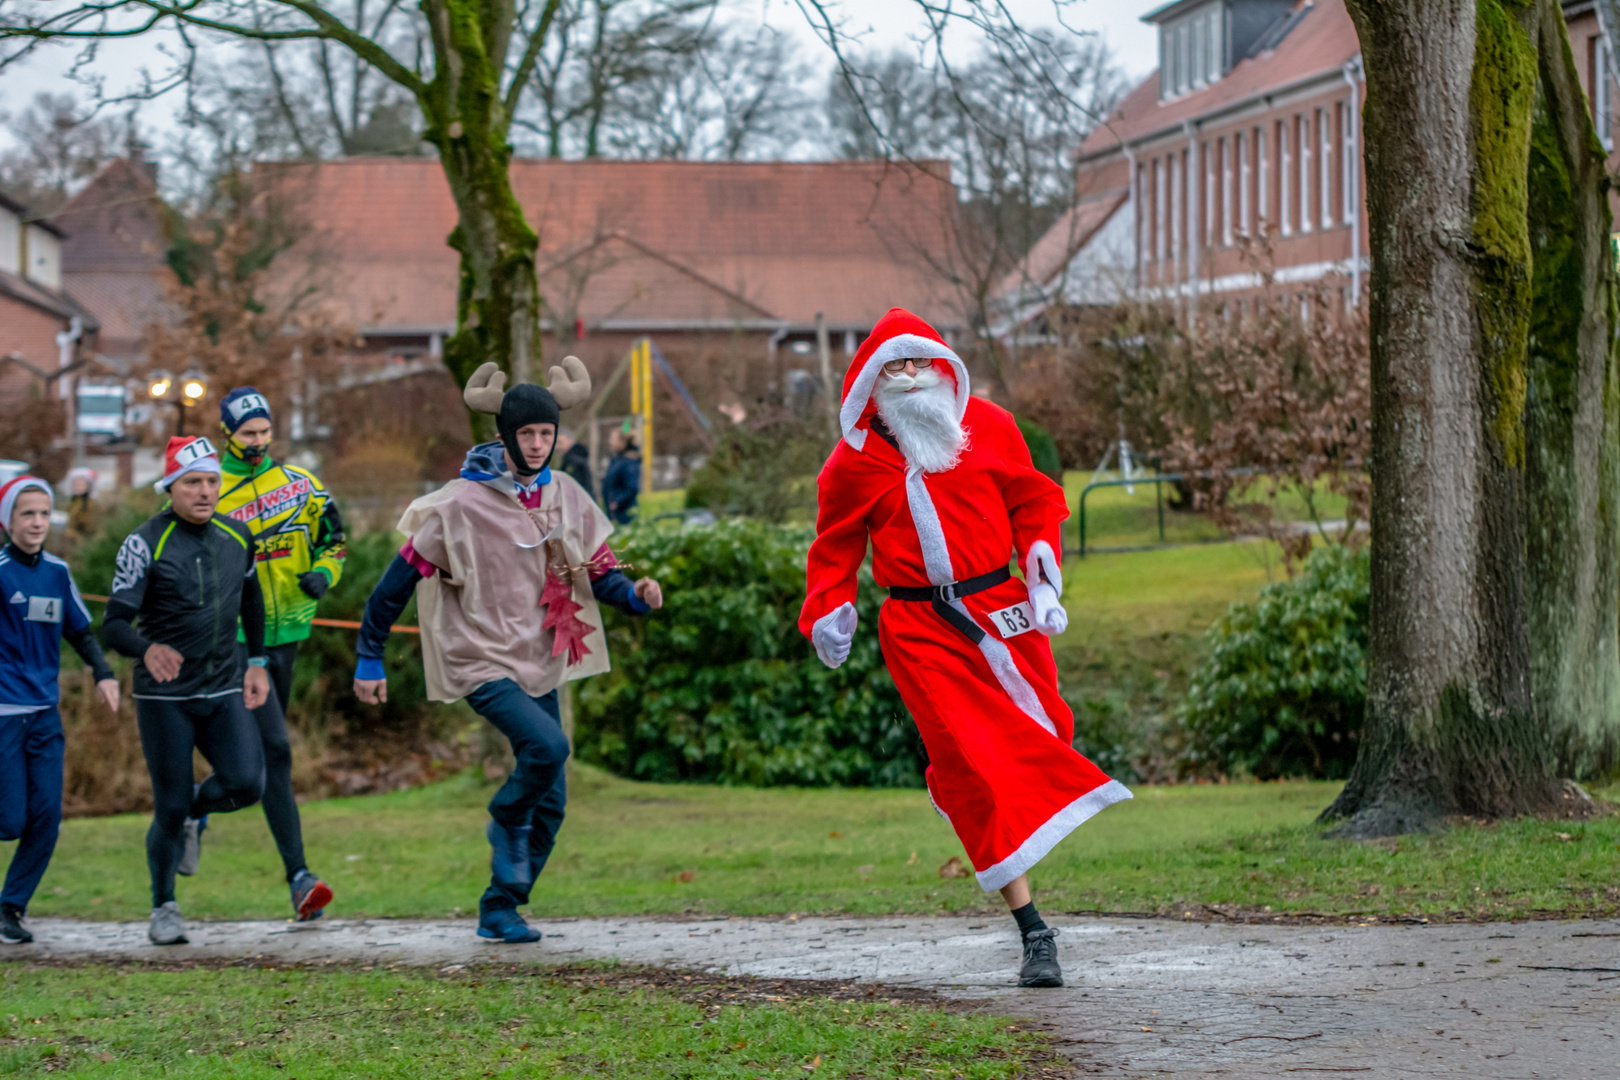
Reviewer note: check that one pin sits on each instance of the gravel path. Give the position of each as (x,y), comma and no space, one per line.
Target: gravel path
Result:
(1145,997)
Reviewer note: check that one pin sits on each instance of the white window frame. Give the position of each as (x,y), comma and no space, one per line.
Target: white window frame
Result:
(1602,100)
(1174,206)
(1160,217)
(1350,203)
(1285,164)
(1244,199)
(1324,122)
(1303,120)
(1226,191)
(1262,190)
(1200,52)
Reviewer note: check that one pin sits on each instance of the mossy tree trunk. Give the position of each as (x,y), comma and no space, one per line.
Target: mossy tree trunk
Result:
(1469,702)
(1572,415)
(498,299)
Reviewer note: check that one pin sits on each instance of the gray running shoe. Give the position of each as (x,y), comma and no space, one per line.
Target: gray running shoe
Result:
(193,852)
(1040,960)
(167,927)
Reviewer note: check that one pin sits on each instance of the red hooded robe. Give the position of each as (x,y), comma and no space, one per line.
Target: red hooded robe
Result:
(1002,769)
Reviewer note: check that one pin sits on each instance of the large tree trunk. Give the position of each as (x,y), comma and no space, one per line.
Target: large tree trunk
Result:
(498,301)
(1573,540)
(1452,723)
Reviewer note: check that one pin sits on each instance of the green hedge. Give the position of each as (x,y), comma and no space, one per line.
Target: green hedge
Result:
(720,686)
(1283,691)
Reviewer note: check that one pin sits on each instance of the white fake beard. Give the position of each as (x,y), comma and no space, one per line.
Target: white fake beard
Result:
(923,421)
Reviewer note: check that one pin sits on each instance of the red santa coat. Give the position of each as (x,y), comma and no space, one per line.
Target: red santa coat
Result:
(1002,769)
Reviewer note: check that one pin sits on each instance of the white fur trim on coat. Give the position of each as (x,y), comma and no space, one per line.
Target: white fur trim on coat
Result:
(937,559)
(1045,838)
(899,347)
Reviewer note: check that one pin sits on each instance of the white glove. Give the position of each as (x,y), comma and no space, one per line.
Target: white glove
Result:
(833,633)
(1040,562)
(1050,618)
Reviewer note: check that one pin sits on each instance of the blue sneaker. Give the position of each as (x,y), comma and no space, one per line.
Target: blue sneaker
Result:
(310,895)
(510,858)
(506,925)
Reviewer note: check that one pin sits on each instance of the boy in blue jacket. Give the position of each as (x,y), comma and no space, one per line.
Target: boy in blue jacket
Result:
(41,607)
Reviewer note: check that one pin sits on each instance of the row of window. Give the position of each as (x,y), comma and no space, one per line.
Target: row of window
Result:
(1292,175)
(1192,51)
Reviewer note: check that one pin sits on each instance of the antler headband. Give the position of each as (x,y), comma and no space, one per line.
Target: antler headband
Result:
(570,385)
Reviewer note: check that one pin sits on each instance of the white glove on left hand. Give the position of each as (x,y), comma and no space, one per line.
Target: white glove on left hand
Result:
(1050,618)
(833,634)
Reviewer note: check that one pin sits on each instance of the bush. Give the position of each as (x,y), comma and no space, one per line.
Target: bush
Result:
(1283,691)
(765,471)
(720,686)
(1043,450)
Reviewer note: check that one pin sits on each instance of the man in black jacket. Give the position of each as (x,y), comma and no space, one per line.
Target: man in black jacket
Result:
(188,575)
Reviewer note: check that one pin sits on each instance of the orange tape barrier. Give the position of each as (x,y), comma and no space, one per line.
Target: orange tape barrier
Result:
(341,624)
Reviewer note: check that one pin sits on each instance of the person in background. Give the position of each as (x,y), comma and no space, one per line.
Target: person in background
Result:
(575,459)
(41,607)
(622,483)
(187,575)
(299,551)
(81,503)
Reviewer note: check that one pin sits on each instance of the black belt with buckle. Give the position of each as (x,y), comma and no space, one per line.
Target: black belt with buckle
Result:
(940,596)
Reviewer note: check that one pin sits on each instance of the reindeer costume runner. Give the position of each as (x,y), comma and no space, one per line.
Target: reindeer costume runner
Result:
(942,484)
(508,565)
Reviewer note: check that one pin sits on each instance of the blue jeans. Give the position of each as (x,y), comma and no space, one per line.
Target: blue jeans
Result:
(537,791)
(30,797)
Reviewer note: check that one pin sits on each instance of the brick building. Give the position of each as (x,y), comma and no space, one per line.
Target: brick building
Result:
(1248,129)
(45,334)
(726,265)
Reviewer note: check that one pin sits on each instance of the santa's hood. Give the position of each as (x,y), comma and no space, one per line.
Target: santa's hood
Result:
(899,335)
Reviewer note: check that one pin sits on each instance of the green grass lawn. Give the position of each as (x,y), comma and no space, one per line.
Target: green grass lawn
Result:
(1117,518)
(643,848)
(140,1021)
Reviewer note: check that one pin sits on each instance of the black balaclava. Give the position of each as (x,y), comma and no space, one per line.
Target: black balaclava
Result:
(525,404)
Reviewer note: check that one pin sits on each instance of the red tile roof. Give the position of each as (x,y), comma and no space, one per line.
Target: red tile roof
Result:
(664,240)
(1323,41)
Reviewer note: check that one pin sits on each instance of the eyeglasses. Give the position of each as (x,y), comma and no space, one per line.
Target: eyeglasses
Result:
(895,367)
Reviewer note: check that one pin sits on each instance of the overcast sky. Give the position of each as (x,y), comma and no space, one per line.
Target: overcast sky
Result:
(877,23)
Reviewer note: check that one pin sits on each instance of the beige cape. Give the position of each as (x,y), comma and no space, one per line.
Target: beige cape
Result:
(481,615)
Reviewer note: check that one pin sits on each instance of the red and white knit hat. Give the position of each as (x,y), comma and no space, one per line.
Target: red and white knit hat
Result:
(899,335)
(15,487)
(187,453)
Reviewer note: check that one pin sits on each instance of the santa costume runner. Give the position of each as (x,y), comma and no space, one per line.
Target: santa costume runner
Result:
(959,633)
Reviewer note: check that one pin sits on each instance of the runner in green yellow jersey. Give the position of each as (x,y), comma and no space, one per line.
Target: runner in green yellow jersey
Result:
(298,545)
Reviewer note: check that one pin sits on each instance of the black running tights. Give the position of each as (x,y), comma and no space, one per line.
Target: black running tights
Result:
(225,732)
(280,807)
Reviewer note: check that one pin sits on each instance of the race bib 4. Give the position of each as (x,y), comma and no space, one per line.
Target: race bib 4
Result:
(45,609)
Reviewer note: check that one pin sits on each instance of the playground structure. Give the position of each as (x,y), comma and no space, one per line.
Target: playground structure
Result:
(639,363)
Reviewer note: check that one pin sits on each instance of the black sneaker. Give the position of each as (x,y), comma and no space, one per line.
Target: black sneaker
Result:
(11,928)
(1040,960)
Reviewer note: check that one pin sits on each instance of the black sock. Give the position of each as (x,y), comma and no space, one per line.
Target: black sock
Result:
(1029,920)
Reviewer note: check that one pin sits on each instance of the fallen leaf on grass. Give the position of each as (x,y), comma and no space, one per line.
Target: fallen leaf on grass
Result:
(686,875)
(835,836)
(953,868)
(867,869)
(913,860)
(814,1064)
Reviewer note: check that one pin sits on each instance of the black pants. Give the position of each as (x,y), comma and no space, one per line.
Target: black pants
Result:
(280,807)
(225,732)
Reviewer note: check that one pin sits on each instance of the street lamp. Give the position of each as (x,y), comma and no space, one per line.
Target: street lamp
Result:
(183,393)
